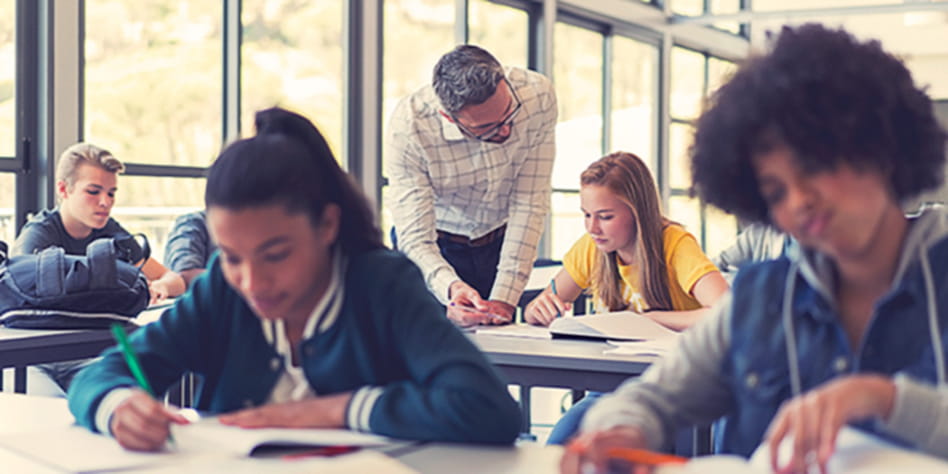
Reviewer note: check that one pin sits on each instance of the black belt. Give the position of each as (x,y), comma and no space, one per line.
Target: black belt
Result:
(489,238)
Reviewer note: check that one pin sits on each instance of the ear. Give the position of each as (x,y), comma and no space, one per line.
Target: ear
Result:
(329,223)
(62,188)
(446,116)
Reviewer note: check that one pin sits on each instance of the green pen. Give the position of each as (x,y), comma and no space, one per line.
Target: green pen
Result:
(119,332)
(133,365)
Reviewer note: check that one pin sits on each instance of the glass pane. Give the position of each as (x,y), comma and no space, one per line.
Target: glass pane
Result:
(7,80)
(687,83)
(577,69)
(770,5)
(917,37)
(719,71)
(566,224)
(500,29)
(291,56)
(7,208)
(680,137)
(720,230)
(724,7)
(687,212)
(417,34)
(150,204)
(688,7)
(153,80)
(634,94)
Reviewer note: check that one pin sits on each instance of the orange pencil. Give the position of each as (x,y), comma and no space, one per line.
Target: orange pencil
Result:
(644,457)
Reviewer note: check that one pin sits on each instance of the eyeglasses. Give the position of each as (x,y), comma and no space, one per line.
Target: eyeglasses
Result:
(494,129)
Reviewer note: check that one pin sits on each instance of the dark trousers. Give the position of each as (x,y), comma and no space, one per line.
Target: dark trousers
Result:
(476,266)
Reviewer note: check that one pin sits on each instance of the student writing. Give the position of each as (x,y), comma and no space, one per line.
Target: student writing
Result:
(303,319)
(632,258)
(823,137)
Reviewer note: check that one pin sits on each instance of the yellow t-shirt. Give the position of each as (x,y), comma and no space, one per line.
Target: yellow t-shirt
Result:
(684,260)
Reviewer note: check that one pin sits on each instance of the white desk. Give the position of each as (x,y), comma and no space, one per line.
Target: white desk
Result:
(568,363)
(23,413)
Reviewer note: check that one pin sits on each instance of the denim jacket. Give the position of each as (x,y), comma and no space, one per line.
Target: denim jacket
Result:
(742,362)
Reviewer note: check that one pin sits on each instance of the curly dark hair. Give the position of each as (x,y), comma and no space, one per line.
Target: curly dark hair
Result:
(831,99)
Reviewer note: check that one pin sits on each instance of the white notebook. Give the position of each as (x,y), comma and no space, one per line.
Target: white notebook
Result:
(619,326)
(210,435)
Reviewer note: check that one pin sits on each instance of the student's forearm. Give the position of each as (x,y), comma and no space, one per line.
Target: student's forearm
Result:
(173,282)
(678,320)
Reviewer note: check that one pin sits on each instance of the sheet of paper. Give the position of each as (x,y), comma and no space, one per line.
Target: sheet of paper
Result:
(655,347)
(364,461)
(517,330)
(861,453)
(210,435)
(76,449)
(624,325)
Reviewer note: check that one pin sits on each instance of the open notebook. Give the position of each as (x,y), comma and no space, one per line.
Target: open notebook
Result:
(210,435)
(618,326)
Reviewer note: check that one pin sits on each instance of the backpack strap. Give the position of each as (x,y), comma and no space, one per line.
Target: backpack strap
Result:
(50,268)
(102,267)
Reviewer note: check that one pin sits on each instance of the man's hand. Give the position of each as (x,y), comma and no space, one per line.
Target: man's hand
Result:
(321,412)
(467,308)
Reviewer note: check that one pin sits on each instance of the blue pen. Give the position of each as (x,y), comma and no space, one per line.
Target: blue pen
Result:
(553,287)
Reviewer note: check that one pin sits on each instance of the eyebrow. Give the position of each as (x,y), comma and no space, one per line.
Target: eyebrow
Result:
(597,211)
(262,247)
(99,186)
(506,113)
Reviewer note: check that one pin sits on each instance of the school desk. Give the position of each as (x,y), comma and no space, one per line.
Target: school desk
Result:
(22,347)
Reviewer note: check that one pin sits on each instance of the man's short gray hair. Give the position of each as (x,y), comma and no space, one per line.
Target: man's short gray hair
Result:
(468,75)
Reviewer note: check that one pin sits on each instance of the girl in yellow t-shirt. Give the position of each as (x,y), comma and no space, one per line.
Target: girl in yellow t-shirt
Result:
(632,257)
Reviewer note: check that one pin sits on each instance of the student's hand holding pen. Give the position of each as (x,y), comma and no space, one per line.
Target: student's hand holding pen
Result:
(141,423)
(546,307)
(618,449)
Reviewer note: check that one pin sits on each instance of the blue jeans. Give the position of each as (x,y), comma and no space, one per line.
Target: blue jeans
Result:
(568,425)
(476,266)
(53,379)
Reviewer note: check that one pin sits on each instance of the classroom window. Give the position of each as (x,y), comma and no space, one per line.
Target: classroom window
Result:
(577,67)
(688,7)
(7,203)
(149,205)
(680,136)
(569,222)
(292,57)
(153,80)
(500,29)
(687,212)
(693,77)
(7,80)
(687,83)
(416,34)
(634,93)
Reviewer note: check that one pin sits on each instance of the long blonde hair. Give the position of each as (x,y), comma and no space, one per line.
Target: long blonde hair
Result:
(628,178)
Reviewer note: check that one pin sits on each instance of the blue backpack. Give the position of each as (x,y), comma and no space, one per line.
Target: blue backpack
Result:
(52,290)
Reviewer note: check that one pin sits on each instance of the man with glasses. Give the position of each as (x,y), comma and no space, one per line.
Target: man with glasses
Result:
(468,162)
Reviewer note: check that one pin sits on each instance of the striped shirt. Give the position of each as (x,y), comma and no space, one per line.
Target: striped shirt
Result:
(439,179)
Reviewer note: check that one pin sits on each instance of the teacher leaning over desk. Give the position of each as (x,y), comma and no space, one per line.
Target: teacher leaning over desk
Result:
(469,163)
